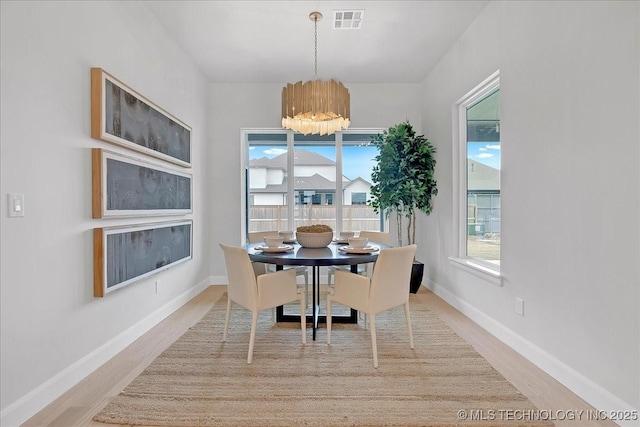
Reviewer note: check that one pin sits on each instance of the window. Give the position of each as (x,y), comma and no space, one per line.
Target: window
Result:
(306,169)
(358,198)
(478,164)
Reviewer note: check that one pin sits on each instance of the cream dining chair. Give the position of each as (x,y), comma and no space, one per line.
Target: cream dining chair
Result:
(261,268)
(387,288)
(263,292)
(364,269)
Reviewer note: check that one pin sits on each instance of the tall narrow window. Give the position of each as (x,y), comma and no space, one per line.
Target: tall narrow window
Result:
(478,175)
(483,178)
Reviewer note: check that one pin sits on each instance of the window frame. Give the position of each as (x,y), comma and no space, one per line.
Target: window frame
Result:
(290,143)
(479,267)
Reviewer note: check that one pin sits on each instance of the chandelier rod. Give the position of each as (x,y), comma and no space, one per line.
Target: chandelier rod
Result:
(315,35)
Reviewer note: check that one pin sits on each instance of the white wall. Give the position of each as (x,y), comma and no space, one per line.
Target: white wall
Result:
(53,330)
(570,137)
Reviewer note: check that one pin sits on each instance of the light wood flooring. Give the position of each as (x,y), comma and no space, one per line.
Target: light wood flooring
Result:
(83,401)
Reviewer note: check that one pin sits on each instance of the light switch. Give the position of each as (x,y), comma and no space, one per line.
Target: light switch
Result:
(15,204)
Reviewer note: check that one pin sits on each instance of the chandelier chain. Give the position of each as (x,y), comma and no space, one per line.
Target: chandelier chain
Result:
(315,36)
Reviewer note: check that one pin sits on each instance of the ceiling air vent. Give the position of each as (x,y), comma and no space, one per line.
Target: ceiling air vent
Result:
(348,19)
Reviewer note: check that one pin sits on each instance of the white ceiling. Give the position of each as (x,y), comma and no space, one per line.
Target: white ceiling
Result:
(273,41)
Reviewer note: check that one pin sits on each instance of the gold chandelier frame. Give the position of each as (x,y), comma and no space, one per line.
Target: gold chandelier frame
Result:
(316,106)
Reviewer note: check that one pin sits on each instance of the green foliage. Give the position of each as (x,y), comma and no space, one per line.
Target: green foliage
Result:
(403,179)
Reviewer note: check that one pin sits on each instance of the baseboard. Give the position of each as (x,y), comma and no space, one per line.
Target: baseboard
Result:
(37,399)
(218,280)
(589,391)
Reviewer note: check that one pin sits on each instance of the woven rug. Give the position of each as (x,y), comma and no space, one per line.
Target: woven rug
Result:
(201,381)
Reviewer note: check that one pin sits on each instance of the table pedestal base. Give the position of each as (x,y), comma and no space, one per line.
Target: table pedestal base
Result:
(315,318)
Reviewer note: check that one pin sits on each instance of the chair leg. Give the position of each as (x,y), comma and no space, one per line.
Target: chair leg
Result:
(306,288)
(303,318)
(407,315)
(374,344)
(328,319)
(252,338)
(364,318)
(226,320)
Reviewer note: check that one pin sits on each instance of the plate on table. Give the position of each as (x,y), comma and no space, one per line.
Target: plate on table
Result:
(275,249)
(341,241)
(365,250)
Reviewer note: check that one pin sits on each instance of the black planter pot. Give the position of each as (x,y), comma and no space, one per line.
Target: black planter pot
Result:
(417,271)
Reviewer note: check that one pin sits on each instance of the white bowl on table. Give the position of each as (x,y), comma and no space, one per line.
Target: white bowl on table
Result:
(286,235)
(273,241)
(345,235)
(358,242)
(314,240)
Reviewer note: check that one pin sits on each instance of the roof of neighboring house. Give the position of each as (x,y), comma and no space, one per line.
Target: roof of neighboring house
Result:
(263,162)
(301,158)
(314,182)
(481,176)
(358,179)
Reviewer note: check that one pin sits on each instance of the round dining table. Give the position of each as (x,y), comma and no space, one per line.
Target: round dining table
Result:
(315,258)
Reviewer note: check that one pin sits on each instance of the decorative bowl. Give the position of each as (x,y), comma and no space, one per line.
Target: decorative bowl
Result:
(314,240)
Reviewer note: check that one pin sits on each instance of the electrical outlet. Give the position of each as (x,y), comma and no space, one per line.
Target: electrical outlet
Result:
(158,286)
(519,306)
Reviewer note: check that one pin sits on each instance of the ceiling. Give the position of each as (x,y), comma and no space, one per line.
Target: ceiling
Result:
(273,41)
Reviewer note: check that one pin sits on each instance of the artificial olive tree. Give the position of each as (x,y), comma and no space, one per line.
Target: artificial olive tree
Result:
(403,179)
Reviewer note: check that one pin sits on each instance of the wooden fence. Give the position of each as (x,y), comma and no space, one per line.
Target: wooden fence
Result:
(274,217)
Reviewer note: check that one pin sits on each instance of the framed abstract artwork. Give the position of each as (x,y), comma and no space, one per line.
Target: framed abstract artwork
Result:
(127,186)
(122,116)
(124,255)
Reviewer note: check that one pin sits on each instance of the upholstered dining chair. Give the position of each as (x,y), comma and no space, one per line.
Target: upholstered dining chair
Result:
(376,236)
(263,292)
(364,269)
(260,268)
(387,288)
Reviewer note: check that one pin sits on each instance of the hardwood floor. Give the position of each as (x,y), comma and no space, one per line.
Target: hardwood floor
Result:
(82,402)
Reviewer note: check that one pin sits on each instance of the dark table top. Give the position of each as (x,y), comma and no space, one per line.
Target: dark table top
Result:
(329,255)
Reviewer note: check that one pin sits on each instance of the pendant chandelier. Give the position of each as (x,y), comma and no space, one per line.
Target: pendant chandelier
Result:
(316,107)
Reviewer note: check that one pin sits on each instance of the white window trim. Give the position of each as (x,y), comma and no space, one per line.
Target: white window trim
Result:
(244,160)
(478,267)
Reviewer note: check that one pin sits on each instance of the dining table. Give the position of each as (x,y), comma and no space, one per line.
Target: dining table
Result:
(334,254)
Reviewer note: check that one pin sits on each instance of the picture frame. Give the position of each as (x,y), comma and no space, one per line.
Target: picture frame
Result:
(125,186)
(120,115)
(126,254)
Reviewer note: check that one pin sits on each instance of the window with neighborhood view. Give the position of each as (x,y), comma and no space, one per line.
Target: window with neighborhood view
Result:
(479,175)
(327,178)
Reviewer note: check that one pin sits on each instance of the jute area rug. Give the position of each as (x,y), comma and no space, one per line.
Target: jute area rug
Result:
(201,381)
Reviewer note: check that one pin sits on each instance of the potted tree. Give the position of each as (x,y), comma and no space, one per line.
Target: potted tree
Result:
(403,182)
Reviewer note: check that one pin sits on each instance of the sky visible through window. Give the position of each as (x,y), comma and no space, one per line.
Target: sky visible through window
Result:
(484,152)
(357,161)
